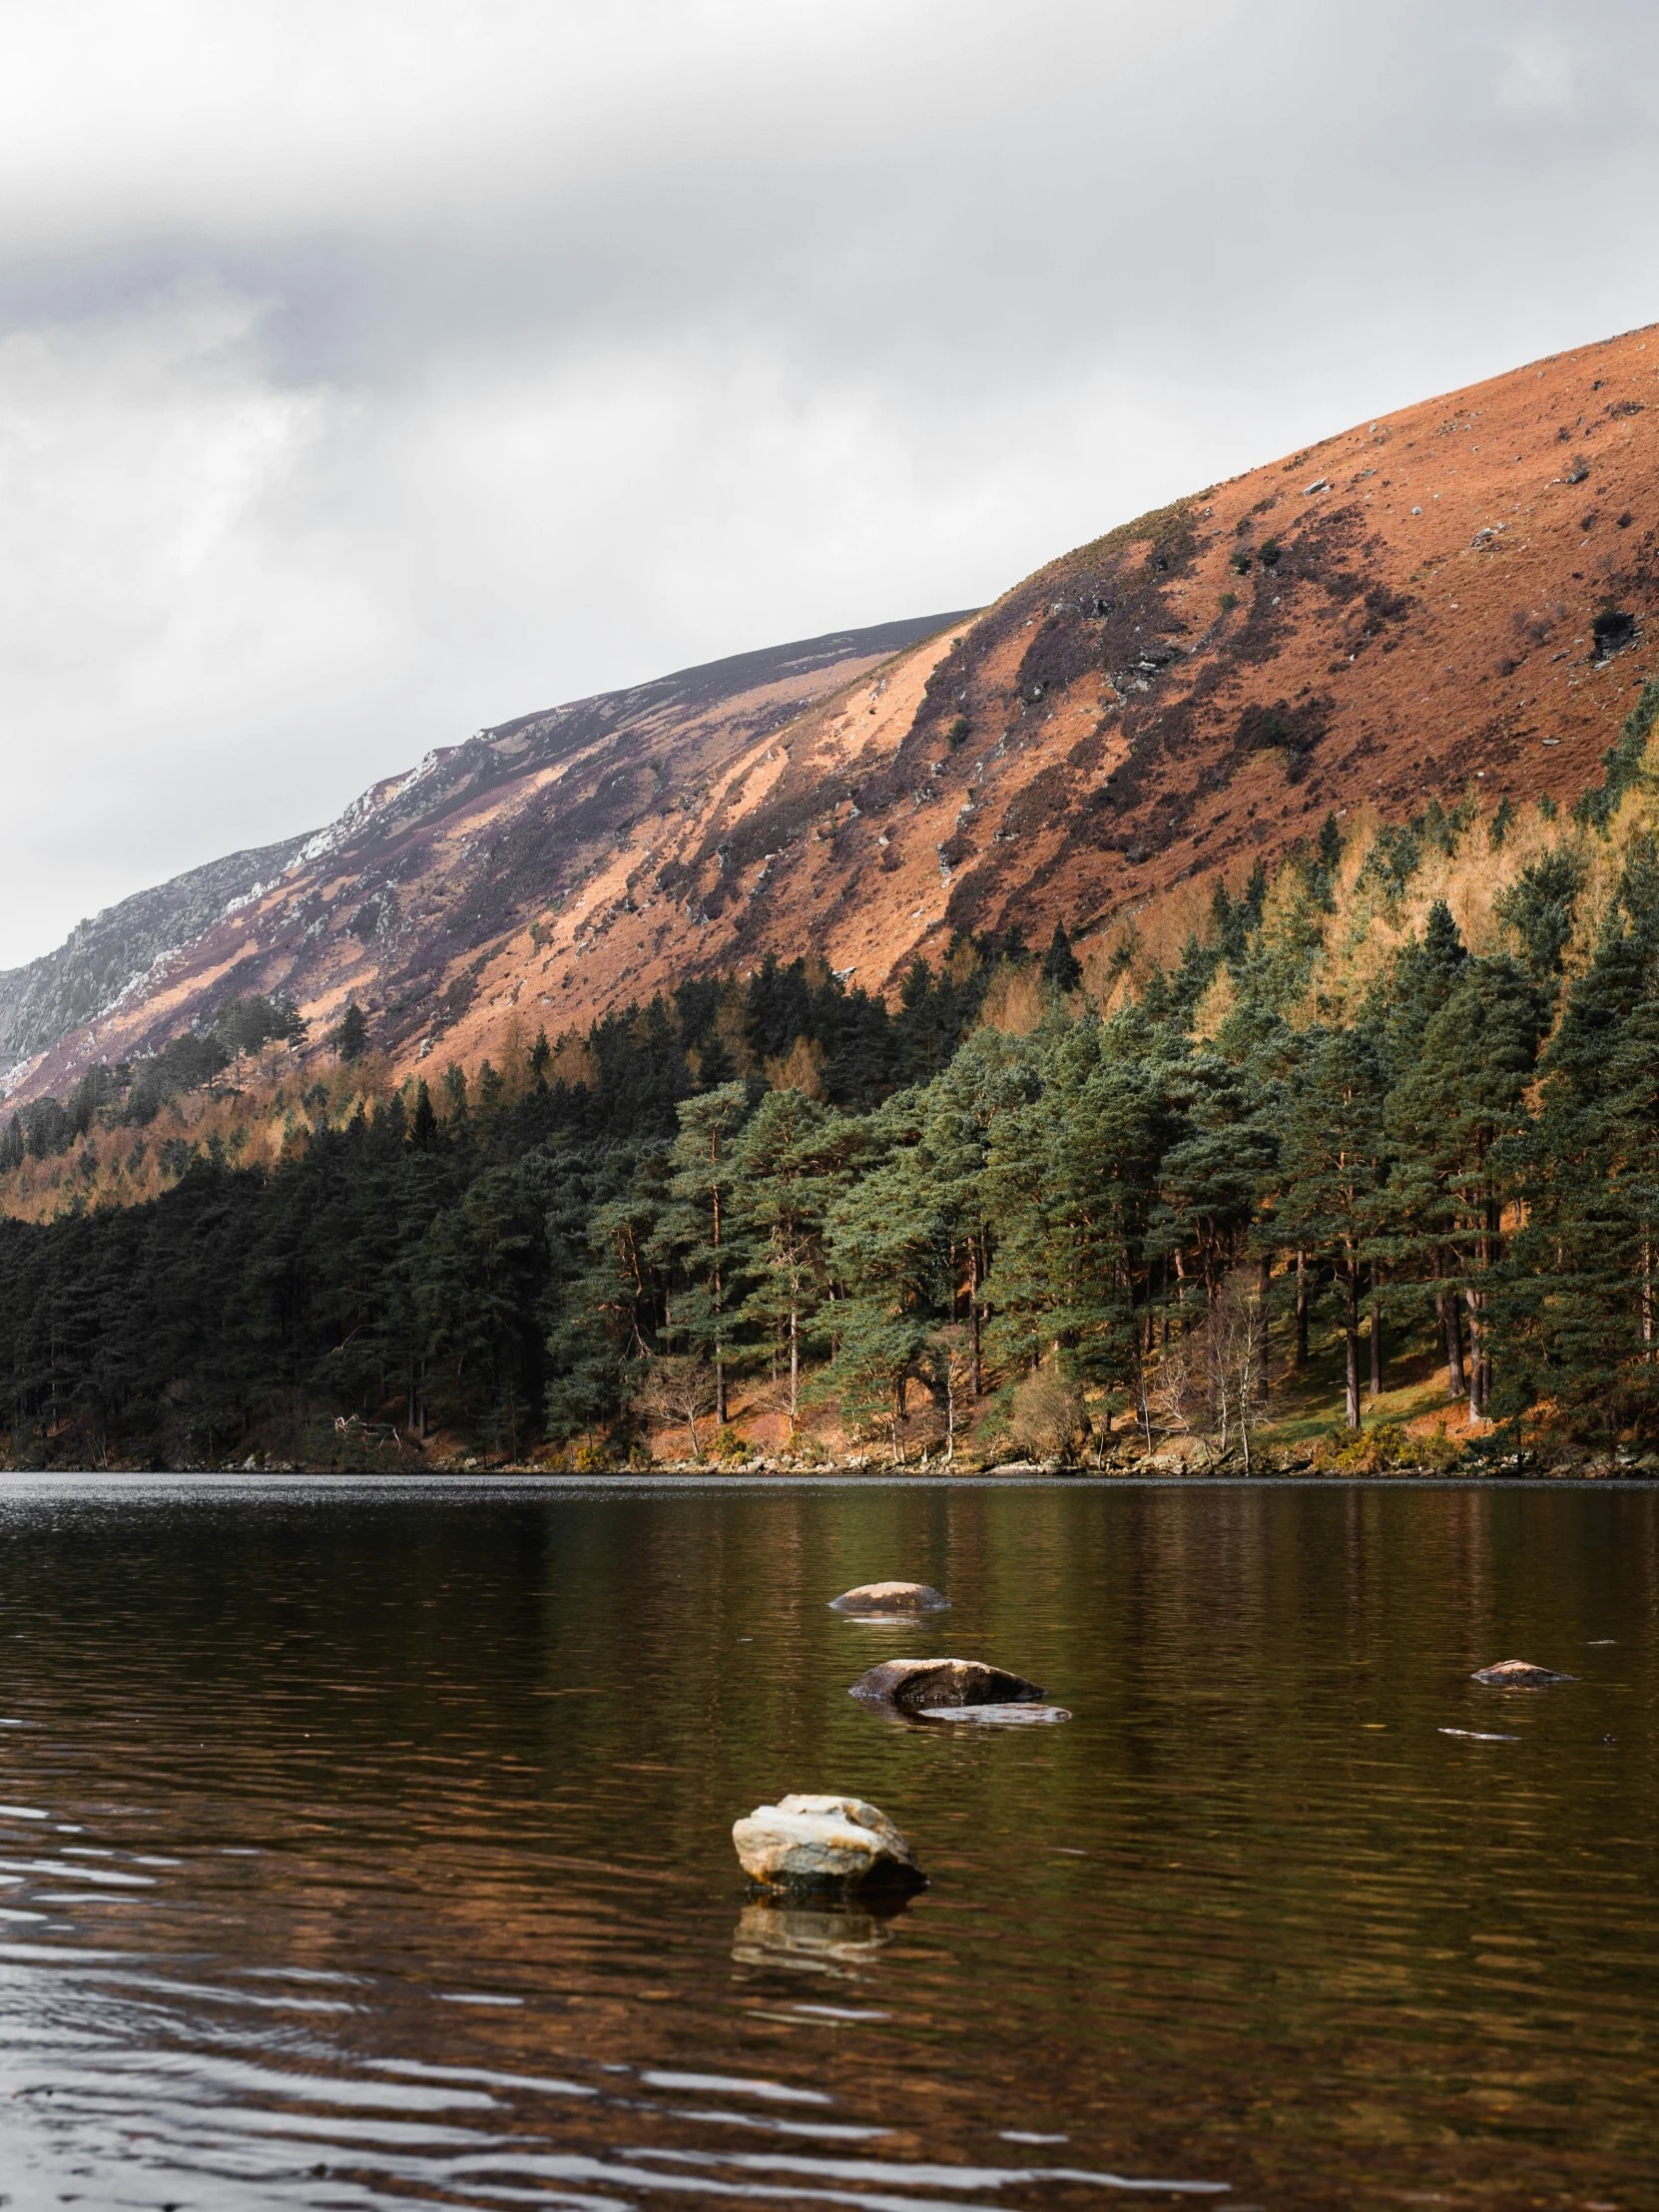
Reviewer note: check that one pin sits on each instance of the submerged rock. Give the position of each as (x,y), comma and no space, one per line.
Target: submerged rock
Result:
(1518,1674)
(913,1685)
(892,1598)
(807,1841)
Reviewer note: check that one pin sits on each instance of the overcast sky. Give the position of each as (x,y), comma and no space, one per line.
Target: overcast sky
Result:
(374,369)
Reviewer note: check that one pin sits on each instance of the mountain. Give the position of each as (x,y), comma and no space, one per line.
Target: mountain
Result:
(1457,593)
(397,898)
(117,955)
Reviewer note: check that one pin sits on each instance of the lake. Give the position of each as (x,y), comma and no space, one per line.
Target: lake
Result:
(364,1845)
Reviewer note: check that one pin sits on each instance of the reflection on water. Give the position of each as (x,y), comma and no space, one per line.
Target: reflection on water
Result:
(359,1850)
(821,1939)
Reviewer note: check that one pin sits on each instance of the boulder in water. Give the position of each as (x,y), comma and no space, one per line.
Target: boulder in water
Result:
(892,1599)
(810,1841)
(1518,1674)
(916,1685)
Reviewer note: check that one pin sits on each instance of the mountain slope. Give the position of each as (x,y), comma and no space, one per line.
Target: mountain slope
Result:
(113,955)
(395,899)
(1389,615)
(1460,591)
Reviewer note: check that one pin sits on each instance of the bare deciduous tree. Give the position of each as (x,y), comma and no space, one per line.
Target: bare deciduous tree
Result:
(1210,1375)
(1048,1417)
(1236,1343)
(947,1369)
(679,1390)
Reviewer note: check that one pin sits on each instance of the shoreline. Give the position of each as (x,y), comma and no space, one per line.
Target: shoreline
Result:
(521,1485)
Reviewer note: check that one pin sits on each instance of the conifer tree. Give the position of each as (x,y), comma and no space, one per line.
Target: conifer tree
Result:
(1074,1178)
(1061,967)
(699,1230)
(1424,977)
(888,1246)
(789,1164)
(1454,1119)
(351,1037)
(991,1076)
(1332,1169)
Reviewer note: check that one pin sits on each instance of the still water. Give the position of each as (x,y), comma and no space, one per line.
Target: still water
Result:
(360,1849)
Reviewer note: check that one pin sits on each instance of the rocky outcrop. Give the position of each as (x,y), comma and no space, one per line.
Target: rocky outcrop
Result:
(1518,1674)
(918,1685)
(880,1599)
(808,1842)
(123,951)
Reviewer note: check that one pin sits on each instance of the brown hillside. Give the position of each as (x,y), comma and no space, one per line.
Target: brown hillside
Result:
(1458,591)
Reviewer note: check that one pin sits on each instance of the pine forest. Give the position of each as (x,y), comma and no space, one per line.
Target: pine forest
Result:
(1362,1173)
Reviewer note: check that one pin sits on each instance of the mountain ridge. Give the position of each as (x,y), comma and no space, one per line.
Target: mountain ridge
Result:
(117,981)
(1456,595)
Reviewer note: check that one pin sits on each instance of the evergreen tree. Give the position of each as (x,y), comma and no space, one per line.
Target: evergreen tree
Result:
(888,1247)
(1073,1178)
(1332,1169)
(1455,1119)
(700,1232)
(351,1037)
(1539,908)
(789,1164)
(1061,967)
(1228,925)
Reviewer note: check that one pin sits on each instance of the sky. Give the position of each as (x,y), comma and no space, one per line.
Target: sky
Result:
(375,371)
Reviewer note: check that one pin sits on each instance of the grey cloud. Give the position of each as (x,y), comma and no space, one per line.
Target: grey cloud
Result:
(568,345)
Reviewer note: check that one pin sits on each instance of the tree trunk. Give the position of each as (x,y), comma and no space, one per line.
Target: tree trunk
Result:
(795,1368)
(974,1311)
(1301,1310)
(1452,1322)
(1376,1332)
(1264,1294)
(719,1348)
(1478,1355)
(1350,1342)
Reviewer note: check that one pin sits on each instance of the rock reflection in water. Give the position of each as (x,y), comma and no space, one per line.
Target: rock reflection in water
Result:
(988,1716)
(823,1937)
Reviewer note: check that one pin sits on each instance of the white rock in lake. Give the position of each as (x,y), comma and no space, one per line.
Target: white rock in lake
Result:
(1520,1674)
(805,1839)
(897,1599)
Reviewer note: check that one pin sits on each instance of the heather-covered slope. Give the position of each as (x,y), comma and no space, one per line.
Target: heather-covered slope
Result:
(421,878)
(1457,594)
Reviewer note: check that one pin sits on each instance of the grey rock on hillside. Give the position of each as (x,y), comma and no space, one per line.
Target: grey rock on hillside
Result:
(106,956)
